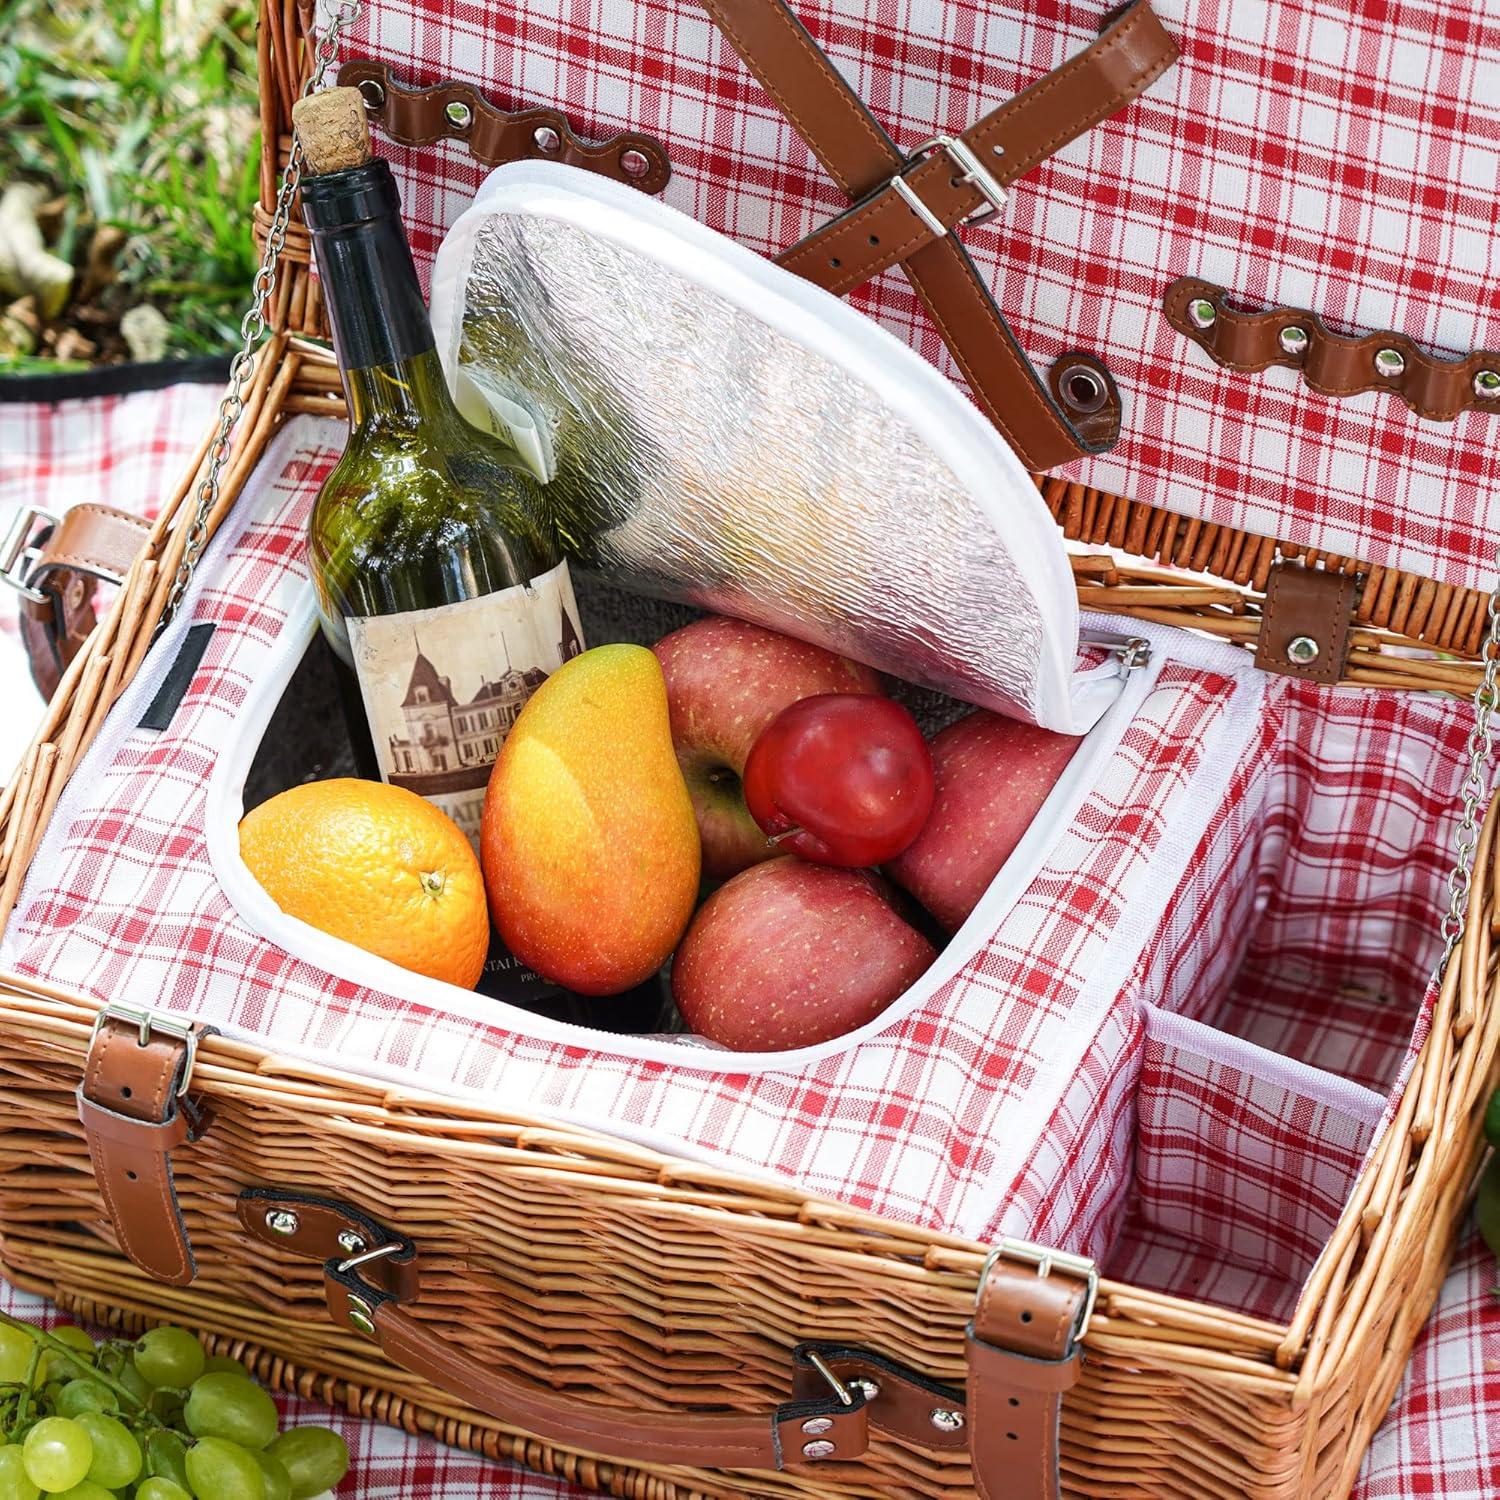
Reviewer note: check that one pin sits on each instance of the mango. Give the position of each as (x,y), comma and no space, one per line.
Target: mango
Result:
(589,843)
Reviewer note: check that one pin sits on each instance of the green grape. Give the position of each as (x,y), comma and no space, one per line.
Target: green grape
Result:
(57,1453)
(221,1470)
(117,1455)
(166,1458)
(231,1407)
(278,1481)
(16,1345)
(170,1356)
(221,1364)
(161,1489)
(134,1382)
(15,1483)
(79,1396)
(314,1457)
(55,1366)
(88,1490)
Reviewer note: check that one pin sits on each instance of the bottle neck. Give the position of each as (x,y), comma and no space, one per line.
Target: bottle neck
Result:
(381,332)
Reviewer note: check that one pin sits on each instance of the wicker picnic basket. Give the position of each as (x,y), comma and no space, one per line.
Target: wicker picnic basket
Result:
(583,1271)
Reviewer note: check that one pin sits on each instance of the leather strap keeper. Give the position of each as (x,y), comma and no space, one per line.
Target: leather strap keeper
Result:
(135,1114)
(91,544)
(1305,623)
(1023,1355)
(458,111)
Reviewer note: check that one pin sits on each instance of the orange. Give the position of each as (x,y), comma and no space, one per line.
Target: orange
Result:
(377,866)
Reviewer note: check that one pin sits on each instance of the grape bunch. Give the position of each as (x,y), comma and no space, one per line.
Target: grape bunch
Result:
(153,1419)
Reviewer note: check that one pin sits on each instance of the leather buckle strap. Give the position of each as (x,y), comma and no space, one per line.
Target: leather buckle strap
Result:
(57,571)
(886,227)
(135,1112)
(1131,53)
(1024,1353)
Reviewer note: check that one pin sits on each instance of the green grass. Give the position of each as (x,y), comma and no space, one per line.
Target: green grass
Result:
(140,114)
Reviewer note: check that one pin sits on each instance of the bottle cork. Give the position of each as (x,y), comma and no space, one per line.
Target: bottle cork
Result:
(333,129)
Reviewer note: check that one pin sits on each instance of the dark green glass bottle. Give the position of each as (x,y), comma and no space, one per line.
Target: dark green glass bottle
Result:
(440,581)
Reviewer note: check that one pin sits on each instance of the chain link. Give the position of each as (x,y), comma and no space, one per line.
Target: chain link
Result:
(1475,787)
(253,328)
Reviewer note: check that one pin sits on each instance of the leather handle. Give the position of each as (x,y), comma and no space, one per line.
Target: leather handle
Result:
(796,1432)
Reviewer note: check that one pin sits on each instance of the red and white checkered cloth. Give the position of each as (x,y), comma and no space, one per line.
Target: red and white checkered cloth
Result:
(1311,153)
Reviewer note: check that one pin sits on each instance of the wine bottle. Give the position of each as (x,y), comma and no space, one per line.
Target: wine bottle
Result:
(440,582)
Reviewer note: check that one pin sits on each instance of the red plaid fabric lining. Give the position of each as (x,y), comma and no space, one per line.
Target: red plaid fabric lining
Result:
(1303,152)
(914,1122)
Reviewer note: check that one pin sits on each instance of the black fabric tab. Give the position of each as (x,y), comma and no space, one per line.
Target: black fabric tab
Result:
(175,684)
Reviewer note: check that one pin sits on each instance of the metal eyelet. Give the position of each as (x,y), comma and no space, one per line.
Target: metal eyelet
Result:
(546,140)
(1202,313)
(282,1221)
(1293,340)
(635,163)
(458,114)
(372,91)
(1303,650)
(1082,389)
(945,1419)
(1390,363)
(1487,385)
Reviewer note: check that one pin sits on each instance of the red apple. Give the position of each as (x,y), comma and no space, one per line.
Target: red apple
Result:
(788,954)
(841,779)
(726,680)
(992,775)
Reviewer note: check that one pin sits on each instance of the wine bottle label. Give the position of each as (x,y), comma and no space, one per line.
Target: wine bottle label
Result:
(441,687)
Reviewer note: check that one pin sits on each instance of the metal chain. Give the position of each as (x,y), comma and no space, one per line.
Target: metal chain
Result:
(1474,788)
(253,327)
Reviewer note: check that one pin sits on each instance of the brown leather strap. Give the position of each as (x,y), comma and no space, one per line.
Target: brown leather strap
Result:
(1332,365)
(797,1432)
(134,1116)
(91,544)
(1023,1354)
(1132,52)
(1305,623)
(457,111)
(863,160)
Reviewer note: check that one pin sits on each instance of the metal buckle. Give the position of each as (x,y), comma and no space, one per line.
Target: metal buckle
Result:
(147,1024)
(18,557)
(1046,1261)
(974,172)
(378,1253)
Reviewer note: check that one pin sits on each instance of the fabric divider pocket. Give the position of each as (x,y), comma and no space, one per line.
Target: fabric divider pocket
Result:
(1243,1153)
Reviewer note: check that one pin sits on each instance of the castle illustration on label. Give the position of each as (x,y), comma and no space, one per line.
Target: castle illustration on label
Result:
(449,746)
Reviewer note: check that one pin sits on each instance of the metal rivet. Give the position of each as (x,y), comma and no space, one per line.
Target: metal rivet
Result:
(1389,362)
(635,163)
(1487,385)
(815,1426)
(1202,313)
(350,1242)
(282,1221)
(869,1389)
(458,114)
(820,1449)
(359,1315)
(547,140)
(1082,389)
(372,91)
(1293,339)
(1302,649)
(945,1419)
